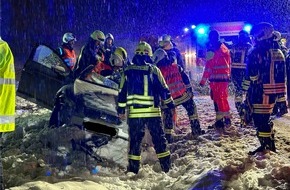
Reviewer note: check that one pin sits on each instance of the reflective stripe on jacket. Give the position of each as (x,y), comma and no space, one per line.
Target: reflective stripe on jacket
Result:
(7,89)
(217,67)
(69,56)
(141,88)
(173,79)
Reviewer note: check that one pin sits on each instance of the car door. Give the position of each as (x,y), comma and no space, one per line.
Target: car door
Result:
(43,74)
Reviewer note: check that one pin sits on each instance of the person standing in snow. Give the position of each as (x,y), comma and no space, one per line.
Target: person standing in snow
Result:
(181,92)
(142,86)
(91,54)
(7,95)
(266,71)
(217,71)
(66,50)
(280,107)
(239,53)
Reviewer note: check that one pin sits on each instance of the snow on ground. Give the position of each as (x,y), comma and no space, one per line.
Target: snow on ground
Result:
(45,159)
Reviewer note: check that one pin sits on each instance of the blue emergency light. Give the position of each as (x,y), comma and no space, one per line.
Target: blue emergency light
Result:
(247,27)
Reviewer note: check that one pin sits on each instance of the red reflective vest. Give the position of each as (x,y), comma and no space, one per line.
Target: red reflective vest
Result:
(69,57)
(173,79)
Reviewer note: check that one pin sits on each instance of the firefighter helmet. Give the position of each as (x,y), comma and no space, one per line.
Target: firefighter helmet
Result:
(159,55)
(67,37)
(98,35)
(262,31)
(109,35)
(143,48)
(277,35)
(165,42)
(119,57)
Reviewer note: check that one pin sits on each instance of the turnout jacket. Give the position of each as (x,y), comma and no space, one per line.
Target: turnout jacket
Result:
(239,55)
(142,89)
(266,67)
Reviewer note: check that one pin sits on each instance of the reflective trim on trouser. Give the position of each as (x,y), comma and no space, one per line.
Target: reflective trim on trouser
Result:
(144,112)
(137,132)
(163,154)
(264,134)
(221,115)
(262,106)
(168,131)
(134,157)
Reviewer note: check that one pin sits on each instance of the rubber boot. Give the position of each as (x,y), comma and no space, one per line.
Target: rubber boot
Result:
(195,128)
(165,163)
(267,143)
(133,166)
(219,124)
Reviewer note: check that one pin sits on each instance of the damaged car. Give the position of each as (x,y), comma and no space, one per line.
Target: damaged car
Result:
(88,102)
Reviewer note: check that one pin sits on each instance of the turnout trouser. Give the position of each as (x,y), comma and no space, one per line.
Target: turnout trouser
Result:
(238,76)
(136,134)
(262,107)
(191,110)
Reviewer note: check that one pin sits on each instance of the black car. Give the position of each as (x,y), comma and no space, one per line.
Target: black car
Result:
(88,101)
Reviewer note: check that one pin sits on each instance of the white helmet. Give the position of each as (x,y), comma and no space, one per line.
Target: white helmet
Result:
(277,35)
(158,55)
(68,37)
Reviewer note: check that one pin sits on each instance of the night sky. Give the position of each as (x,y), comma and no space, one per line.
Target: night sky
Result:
(25,23)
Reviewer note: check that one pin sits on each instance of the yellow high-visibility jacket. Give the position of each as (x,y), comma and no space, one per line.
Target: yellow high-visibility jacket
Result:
(7,88)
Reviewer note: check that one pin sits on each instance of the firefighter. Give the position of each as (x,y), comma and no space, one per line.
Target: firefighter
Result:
(109,47)
(173,52)
(91,54)
(265,69)
(217,71)
(280,107)
(181,92)
(239,53)
(118,60)
(66,50)
(142,86)
(7,95)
